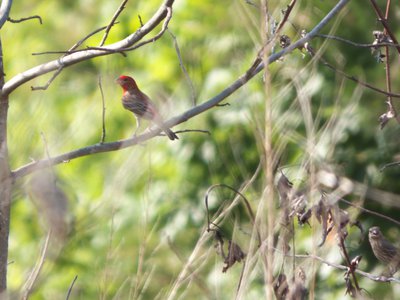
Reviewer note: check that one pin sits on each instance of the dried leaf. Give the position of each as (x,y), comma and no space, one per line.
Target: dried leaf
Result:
(284,41)
(284,189)
(355,261)
(235,254)
(381,37)
(384,118)
(281,287)
(322,215)
(297,290)
(303,218)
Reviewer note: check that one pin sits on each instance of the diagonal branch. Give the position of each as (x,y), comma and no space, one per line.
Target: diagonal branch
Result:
(112,23)
(4,11)
(80,56)
(242,80)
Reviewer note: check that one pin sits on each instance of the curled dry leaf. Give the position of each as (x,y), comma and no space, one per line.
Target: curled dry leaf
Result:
(322,214)
(292,201)
(303,219)
(298,290)
(380,37)
(355,261)
(281,287)
(384,118)
(284,189)
(235,254)
(284,41)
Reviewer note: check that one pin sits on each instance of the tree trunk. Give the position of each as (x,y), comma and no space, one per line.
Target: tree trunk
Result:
(5,185)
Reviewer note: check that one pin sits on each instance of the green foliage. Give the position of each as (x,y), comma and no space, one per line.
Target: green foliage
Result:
(137,214)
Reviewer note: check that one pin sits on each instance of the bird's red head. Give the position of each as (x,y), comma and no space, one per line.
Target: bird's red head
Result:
(126,82)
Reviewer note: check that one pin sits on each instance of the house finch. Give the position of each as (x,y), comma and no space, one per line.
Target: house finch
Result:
(140,104)
(384,250)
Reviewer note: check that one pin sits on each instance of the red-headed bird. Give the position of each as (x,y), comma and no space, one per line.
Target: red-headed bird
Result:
(140,104)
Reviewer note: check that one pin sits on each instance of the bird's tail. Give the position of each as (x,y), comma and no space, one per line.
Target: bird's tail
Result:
(171,135)
(160,122)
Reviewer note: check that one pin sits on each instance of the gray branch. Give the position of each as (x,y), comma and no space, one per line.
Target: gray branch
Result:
(113,146)
(4,11)
(80,56)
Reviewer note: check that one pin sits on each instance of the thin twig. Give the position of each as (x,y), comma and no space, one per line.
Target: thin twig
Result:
(286,14)
(69,52)
(25,19)
(103,115)
(181,64)
(355,79)
(45,87)
(359,45)
(345,268)
(193,130)
(371,212)
(383,20)
(140,20)
(348,261)
(260,54)
(36,270)
(158,35)
(71,287)
(112,22)
(245,202)
(76,45)
(391,108)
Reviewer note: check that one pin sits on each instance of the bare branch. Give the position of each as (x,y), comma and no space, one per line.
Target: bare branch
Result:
(371,212)
(77,57)
(158,35)
(113,146)
(80,42)
(4,11)
(382,19)
(360,45)
(193,130)
(112,23)
(345,268)
(25,19)
(45,87)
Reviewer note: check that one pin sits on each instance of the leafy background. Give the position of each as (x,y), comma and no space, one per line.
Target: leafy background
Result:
(137,214)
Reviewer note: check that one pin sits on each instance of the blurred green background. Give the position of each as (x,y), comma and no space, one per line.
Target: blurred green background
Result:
(136,214)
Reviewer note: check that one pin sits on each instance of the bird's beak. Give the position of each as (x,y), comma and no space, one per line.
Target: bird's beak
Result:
(117,80)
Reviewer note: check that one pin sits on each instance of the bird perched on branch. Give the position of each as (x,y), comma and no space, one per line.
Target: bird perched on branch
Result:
(140,104)
(384,250)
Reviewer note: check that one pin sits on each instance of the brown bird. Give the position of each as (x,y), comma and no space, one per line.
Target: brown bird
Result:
(140,104)
(384,250)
